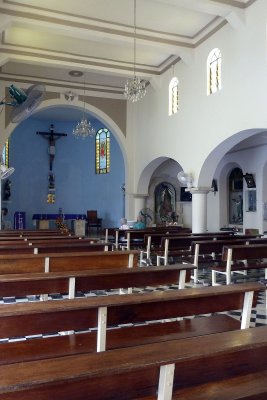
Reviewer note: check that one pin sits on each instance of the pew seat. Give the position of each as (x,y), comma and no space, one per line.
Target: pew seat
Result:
(228,365)
(108,322)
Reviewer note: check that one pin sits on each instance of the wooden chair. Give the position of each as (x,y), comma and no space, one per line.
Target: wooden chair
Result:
(93,221)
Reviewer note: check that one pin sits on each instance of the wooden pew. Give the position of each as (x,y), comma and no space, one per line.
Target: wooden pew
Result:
(207,252)
(18,248)
(31,232)
(56,262)
(210,251)
(123,237)
(136,238)
(111,319)
(153,242)
(95,260)
(32,238)
(66,247)
(70,282)
(61,239)
(180,246)
(169,370)
(239,259)
(29,247)
(9,241)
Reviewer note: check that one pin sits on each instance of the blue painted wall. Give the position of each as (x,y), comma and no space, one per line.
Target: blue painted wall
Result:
(78,187)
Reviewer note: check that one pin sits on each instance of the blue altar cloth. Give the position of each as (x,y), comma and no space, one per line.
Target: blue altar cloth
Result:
(55,216)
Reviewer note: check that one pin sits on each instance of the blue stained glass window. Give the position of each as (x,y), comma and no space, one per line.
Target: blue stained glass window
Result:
(5,154)
(102,146)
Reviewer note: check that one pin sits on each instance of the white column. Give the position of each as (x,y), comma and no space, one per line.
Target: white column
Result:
(137,203)
(1,216)
(199,209)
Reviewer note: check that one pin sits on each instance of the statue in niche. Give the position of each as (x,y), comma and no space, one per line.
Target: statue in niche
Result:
(7,190)
(165,209)
(51,180)
(164,202)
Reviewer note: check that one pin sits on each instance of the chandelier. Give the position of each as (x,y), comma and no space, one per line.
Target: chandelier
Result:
(135,89)
(83,128)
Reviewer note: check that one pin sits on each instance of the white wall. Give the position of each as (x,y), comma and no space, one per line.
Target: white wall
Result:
(203,122)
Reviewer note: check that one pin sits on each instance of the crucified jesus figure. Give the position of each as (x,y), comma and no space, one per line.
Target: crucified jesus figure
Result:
(51,137)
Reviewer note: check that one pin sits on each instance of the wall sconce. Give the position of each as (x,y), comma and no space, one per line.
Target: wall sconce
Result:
(214,185)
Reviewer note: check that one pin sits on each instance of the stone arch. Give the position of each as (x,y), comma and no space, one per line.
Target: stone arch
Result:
(159,170)
(211,163)
(218,165)
(90,109)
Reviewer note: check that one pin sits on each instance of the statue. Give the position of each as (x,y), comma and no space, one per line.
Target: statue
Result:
(165,208)
(7,190)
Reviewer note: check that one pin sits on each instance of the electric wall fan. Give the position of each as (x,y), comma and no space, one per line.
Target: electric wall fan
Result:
(24,102)
(148,216)
(185,179)
(5,172)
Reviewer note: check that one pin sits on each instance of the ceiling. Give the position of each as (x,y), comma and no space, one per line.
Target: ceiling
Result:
(43,40)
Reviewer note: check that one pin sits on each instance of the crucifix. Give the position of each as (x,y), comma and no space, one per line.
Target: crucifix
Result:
(51,137)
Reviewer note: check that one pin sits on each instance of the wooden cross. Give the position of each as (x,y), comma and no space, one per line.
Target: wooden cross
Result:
(51,137)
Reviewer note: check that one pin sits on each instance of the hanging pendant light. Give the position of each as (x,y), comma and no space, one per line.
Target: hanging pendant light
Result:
(83,128)
(135,88)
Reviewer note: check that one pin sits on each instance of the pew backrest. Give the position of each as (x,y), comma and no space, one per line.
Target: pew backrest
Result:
(177,243)
(20,285)
(102,312)
(56,262)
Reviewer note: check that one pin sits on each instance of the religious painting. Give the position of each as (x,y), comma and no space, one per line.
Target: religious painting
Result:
(251,201)
(102,146)
(165,199)
(236,197)
(6,184)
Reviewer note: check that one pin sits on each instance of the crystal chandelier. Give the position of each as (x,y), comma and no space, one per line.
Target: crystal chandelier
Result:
(135,89)
(83,128)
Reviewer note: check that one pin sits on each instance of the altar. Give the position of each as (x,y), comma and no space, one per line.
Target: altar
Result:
(45,221)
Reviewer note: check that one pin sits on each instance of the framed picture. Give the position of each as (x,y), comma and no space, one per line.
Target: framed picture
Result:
(250,180)
(251,201)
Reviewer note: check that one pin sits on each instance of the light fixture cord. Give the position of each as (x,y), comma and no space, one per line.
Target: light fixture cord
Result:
(84,96)
(134,66)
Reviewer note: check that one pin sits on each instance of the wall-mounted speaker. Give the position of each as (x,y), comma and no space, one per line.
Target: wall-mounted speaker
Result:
(249,180)
(185,196)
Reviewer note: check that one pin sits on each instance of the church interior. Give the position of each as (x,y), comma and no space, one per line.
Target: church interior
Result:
(133,163)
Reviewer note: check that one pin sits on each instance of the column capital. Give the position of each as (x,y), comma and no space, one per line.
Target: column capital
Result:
(138,195)
(199,190)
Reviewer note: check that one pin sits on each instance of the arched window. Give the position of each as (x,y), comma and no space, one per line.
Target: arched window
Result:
(236,197)
(173,96)
(102,147)
(214,71)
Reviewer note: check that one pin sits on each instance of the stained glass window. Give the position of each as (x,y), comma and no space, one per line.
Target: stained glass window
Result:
(102,146)
(214,71)
(173,96)
(5,154)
